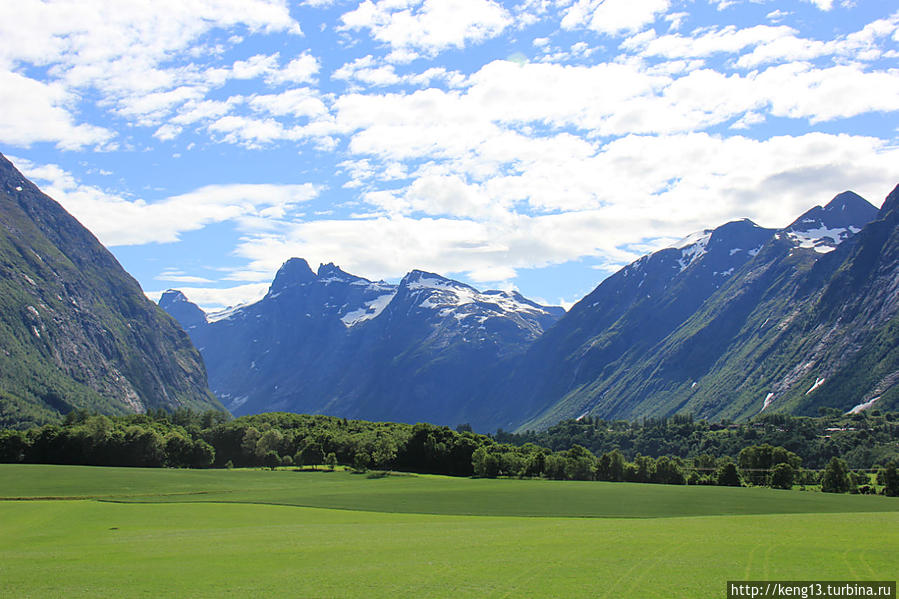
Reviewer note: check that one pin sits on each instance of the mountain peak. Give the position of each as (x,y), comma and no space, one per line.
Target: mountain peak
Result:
(419,279)
(824,228)
(187,313)
(849,200)
(295,271)
(332,271)
(172,296)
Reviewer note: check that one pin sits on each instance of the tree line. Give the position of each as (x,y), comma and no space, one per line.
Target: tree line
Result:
(865,441)
(213,439)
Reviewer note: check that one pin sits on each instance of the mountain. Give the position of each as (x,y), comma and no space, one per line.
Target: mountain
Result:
(76,331)
(331,342)
(786,326)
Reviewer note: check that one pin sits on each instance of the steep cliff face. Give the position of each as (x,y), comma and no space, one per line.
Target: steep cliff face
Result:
(76,331)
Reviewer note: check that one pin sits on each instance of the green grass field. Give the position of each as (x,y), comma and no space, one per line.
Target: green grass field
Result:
(243,533)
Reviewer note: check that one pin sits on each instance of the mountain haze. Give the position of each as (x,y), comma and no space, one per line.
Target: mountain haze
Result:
(331,342)
(76,331)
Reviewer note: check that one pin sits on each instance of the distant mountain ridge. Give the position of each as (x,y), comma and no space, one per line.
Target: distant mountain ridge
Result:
(727,323)
(331,342)
(76,331)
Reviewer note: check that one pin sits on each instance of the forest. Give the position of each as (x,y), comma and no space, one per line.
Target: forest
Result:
(840,453)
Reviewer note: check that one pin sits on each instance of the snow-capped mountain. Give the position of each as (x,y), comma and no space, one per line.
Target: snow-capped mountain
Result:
(341,344)
(822,229)
(729,322)
(743,324)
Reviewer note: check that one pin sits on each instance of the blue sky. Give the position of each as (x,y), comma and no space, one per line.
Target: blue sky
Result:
(537,145)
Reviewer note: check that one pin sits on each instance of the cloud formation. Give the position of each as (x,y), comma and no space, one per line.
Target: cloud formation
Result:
(468,137)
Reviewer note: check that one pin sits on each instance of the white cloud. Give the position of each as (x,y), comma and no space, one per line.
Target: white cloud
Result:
(301,69)
(822,4)
(371,72)
(297,102)
(177,276)
(770,44)
(428,26)
(124,50)
(33,112)
(613,16)
(729,39)
(641,190)
(366,70)
(119,221)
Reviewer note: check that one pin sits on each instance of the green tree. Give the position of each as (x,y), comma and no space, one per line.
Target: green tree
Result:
(248,445)
(728,476)
(836,477)
(643,469)
(271,460)
(580,464)
(889,474)
(361,461)
(555,466)
(669,472)
(384,452)
(536,463)
(178,449)
(310,454)
(331,460)
(782,476)
(12,446)
(202,454)
(270,440)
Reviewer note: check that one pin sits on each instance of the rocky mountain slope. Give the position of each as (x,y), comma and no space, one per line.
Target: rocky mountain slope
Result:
(76,331)
(331,342)
(803,319)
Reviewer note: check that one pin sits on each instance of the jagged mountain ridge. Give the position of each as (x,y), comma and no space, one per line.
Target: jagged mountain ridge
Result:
(76,331)
(763,339)
(331,342)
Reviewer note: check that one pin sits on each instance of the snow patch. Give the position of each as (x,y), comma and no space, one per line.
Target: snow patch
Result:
(226,314)
(818,383)
(735,250)
(452,295)
(699,237)
(238,401)
(815,238)
(863,406)
(694,250)
(368,311)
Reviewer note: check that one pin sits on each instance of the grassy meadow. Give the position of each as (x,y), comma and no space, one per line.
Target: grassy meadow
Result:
(88,532)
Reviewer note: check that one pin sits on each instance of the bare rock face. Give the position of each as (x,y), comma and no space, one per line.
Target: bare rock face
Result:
(76,331)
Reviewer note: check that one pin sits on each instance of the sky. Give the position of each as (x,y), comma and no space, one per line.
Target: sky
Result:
(537,145)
